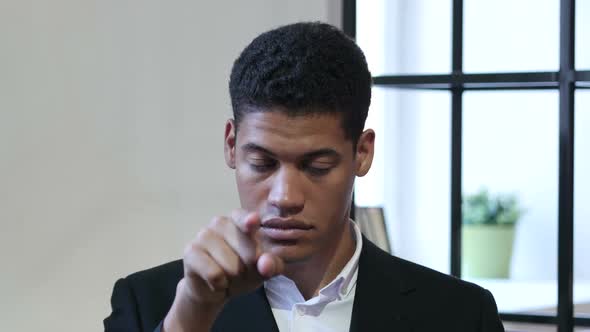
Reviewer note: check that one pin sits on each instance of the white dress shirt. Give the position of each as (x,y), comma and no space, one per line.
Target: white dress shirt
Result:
(330,311)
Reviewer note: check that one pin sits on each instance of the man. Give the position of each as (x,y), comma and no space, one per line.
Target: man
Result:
(290,259)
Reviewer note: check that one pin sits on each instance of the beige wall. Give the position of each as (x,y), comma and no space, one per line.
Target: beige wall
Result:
(111,122)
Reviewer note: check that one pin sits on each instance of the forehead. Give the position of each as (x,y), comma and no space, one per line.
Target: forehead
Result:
(281,132)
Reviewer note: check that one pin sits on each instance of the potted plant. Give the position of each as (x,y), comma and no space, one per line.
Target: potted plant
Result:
(488,234)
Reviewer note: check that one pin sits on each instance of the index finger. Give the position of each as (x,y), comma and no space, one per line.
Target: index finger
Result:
(247,222)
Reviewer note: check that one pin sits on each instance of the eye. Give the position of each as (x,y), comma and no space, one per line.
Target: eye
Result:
(318,168)
(318,171)
(262,165)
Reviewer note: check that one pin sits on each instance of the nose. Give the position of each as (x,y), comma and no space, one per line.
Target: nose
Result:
(286,193)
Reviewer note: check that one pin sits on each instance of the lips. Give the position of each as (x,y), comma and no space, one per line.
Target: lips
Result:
(285,229)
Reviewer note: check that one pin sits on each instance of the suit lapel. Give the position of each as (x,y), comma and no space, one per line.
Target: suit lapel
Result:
(251,310)
(380,300)
(380,293)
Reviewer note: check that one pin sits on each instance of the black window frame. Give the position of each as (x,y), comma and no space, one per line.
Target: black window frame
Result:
(566,81)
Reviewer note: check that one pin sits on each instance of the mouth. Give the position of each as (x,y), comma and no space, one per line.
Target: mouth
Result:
(285,230)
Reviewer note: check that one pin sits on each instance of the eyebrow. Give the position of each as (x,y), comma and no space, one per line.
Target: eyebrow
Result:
(325,152)
(251,147)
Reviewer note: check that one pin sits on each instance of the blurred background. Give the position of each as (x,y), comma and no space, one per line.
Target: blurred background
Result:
(111,128)
(510,144)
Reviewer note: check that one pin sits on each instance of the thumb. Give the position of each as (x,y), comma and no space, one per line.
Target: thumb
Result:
(269,265)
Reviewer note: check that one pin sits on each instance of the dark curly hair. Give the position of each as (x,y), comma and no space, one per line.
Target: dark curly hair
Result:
(306,68)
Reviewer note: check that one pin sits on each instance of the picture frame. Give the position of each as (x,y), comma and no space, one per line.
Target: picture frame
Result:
(371,221)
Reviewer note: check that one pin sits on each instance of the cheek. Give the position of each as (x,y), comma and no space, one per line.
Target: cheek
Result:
(344,183)
(250,189)
(333,198)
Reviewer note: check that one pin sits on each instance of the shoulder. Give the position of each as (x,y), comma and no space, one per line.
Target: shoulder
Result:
(142,299)
(424,284)
(448,300)
(156,286)
(421,292)
(435,282)
(158,275)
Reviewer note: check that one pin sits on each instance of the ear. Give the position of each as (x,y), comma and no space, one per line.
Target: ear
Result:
(365,149)
(229,144)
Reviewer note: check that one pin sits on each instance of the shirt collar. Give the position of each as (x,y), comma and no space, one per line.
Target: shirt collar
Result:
(283,293)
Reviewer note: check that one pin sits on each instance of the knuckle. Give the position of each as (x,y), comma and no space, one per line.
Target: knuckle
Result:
(190,249)
(235,269)
(218,222)
(191,274)
(214,275)
(247,251)
(204,235)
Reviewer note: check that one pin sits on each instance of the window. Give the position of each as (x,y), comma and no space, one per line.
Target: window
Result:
(463,103)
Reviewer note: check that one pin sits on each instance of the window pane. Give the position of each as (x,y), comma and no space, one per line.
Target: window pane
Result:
(583,34)
(507,35)
(412,173)
(510,147)
(581,207)
(405,36)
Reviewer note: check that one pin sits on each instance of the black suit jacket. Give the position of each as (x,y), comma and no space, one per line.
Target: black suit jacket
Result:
(391,295)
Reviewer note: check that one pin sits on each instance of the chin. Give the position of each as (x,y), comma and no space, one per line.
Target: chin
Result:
(290,252)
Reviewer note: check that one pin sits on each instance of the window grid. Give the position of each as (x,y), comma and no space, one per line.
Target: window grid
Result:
(566,80)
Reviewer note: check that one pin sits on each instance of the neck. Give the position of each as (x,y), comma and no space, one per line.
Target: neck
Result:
(314,274)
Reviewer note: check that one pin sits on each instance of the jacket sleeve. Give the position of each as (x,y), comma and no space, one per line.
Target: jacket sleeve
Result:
(125,312)
(490,320)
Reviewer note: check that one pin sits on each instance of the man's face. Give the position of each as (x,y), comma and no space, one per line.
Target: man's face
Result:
(298,173)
